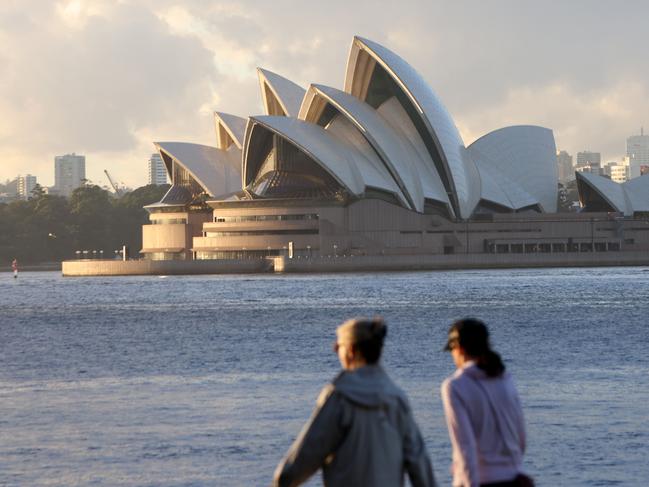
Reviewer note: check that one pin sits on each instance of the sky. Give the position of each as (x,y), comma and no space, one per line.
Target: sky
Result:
(107,78)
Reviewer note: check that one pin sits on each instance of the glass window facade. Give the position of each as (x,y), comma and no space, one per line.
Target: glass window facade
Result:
(169,221)
(255,233)
(264,218)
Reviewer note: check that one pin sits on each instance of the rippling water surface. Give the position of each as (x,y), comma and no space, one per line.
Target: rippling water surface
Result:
(206,380)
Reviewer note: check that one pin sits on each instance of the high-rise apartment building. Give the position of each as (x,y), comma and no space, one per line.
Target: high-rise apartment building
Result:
(157,170)
(589,162)
(69,173)
(25,185)
(564,166)
(617,171)
(637,150)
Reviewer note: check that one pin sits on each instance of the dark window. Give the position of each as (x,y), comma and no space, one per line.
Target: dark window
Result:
(502,248)
(327,115)
(306,231)
(283,170)
(558,247)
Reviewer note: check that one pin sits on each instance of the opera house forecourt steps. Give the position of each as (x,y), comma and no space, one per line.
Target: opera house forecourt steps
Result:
(374,176)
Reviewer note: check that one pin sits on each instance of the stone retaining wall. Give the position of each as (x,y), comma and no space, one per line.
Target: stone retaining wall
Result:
(351,263)
(458,261)
(163,267)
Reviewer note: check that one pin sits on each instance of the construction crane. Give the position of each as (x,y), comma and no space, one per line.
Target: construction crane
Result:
(118,192)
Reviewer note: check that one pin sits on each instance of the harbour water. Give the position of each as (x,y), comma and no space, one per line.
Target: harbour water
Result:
(206,380)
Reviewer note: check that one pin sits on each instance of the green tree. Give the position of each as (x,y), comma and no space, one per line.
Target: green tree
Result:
(37,192)
(91,209)
(50,228)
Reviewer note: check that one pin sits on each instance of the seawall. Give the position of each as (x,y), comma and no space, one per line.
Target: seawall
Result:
(162,267)
(376,263)
(458,261)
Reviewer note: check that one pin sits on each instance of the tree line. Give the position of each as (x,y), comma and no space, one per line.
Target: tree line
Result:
(50,228)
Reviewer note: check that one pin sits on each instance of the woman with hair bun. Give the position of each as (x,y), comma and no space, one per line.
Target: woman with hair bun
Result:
(362,432)
(483,412)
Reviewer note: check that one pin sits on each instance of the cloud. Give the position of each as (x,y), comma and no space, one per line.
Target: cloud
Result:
(89,80)
(107,77)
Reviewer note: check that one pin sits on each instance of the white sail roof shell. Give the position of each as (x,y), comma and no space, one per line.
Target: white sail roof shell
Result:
(372,170)
(402,140)
(499,189)
(313,140)
(400,158)
(217,171)
(340,158)
(288,94)
(235,127)
(430,183)
(463,172)
(637,191)
(628,197)
(526,156)
(609,190)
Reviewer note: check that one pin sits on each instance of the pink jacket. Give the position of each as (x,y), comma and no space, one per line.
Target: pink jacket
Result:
(482,453)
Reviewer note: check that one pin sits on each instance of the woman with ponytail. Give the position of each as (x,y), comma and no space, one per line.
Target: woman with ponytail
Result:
(483,412)
(362,432)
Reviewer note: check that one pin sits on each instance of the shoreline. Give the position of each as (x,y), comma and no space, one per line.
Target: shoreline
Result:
(379,263)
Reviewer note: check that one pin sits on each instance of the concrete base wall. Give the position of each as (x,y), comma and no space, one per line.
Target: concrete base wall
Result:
(163,267)
(352,264)
(458,261)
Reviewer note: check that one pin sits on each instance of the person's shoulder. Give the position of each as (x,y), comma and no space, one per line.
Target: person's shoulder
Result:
(453,381)
(329,389)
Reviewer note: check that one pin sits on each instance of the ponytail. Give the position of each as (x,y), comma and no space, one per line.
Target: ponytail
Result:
(491,363)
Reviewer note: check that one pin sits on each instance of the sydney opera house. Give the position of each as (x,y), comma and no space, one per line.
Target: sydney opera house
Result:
(375,168)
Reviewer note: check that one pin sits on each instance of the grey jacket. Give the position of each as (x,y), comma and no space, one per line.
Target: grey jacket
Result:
(361,433)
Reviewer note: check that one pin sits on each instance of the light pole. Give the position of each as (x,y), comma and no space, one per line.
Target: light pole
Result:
(308,249)
(50,238)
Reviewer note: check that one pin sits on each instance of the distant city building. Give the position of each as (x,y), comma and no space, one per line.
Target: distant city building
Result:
(8,191)
(589,162)
(587,157)
(11,188)
(25,185)
(157,170)
(637,150)
(616,171)
(69,173)
(565,167)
